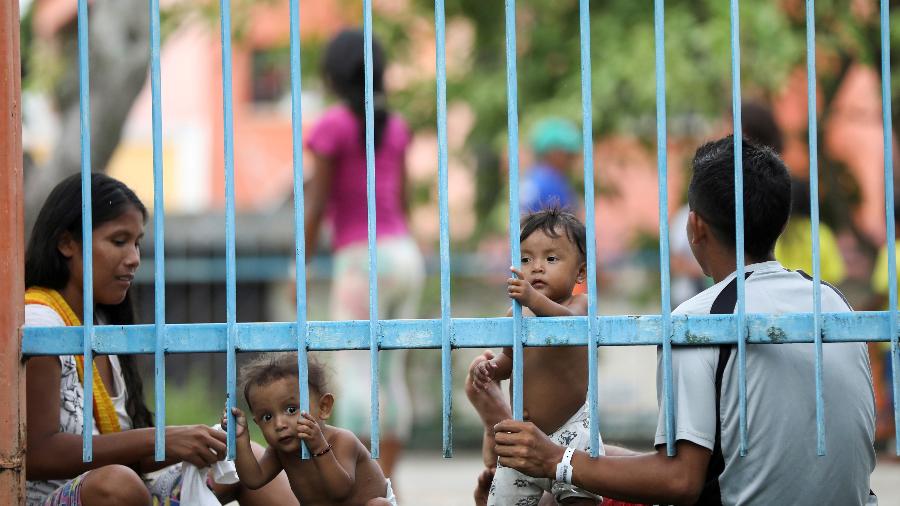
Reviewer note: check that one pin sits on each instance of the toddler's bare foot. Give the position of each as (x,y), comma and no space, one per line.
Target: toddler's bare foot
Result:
(489,401)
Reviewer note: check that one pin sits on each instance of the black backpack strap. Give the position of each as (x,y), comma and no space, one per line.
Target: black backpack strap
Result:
(712,495)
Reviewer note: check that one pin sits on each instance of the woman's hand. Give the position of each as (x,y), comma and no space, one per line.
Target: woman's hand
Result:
(309,430)
(199,445)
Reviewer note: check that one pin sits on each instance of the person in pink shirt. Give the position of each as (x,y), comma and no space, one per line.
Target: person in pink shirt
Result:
(337,194)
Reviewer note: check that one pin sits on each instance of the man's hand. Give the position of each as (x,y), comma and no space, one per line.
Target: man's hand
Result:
(523,447)
(309,430)
(481,370)
(520,289)
(240,422)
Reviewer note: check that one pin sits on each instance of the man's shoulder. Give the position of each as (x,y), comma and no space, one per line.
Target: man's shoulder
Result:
(702,302)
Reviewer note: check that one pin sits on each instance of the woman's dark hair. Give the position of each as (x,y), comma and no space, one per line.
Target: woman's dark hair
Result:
(268,368)
(552,221)
(344,72)
(46,267)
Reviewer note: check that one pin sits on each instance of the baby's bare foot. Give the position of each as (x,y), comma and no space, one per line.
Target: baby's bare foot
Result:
(489,401)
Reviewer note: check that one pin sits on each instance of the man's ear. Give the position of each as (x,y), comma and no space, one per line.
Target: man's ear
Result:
(68,247)
(326,404)
(697,228)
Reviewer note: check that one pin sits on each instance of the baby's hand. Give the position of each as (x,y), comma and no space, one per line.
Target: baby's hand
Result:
(481,371)
(309,430)
(520,289)
(240,427)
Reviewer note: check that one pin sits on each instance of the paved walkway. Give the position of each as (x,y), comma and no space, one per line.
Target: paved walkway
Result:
(426,479)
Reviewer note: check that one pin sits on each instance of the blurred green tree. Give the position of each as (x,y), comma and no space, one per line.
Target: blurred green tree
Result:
(698,70)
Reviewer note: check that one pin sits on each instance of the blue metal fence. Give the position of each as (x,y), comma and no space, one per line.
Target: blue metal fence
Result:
(446,333)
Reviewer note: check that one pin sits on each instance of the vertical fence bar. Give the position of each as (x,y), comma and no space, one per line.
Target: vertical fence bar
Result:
(446,364)
(299,225)
(814,215)
(739,219)
(230,262)
(662,168)
(374,334)
(889,211)
(12,276)
(86,231)
(159,272)
(512,123)
(587,144)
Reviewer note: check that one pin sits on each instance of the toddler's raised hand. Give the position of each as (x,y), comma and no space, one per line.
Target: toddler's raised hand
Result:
(519,288)
(309,430)
(240,427)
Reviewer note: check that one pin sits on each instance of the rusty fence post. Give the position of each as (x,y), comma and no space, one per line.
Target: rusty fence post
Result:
(12,248)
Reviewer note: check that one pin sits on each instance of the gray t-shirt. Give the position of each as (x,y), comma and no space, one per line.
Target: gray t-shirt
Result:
(781,465)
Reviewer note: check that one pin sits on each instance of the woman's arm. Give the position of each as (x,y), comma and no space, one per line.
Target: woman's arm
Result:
(315,198)
(55,455)
(52,454)
(404,189)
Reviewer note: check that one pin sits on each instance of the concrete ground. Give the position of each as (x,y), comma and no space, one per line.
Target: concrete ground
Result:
(426,479)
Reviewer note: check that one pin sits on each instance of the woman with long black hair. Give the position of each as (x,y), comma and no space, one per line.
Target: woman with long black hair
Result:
(123,470)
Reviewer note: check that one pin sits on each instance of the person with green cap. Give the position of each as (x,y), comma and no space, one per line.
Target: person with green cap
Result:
(556,144)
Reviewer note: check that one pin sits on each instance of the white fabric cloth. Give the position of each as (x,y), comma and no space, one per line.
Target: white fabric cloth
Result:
(193,481)
(401,277)
(781,465)
(389,494)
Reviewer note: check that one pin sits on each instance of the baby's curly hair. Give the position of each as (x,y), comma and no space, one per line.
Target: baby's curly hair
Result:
(271,367)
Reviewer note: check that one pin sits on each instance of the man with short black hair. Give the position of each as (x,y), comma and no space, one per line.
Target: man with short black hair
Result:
(781,465)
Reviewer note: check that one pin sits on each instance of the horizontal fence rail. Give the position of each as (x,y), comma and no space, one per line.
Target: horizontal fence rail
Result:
(644,330)
(447,333)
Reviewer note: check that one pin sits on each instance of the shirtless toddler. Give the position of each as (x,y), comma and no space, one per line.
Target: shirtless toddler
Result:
(555,378)
(340,471)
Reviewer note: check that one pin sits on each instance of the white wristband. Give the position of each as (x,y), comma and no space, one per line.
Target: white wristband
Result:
(564,468)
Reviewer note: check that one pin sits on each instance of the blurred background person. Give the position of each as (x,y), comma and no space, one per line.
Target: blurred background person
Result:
(337,193)
(794,247)
(687,276)
(881,353)
(556,144)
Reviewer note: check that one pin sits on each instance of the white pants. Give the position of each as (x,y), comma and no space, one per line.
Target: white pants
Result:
(401,275)
(512,488)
